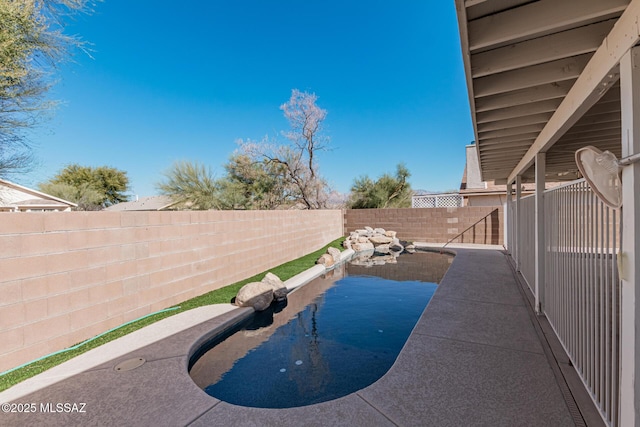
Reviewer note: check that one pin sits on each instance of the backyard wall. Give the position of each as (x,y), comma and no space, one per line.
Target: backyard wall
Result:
(433,225)
(68,276)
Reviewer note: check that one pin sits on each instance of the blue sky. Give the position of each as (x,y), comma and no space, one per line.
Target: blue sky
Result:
(171,81)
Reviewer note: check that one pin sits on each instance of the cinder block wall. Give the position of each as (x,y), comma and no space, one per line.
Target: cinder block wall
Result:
(433,225)
(68,276)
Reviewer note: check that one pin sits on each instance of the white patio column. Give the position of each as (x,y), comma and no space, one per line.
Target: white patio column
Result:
(630,306)
(508,220)
(517,224)
(540,241)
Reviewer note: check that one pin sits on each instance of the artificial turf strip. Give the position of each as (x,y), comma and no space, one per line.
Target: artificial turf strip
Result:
(219,296)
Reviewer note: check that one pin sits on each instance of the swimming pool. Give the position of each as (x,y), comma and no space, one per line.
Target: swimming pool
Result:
(336,335)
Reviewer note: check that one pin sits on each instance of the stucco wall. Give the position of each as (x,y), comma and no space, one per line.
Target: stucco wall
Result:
(433,225)
(65,277)
(486,200)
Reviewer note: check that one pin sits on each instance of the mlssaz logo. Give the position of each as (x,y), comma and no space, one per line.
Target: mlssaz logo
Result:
(66,407)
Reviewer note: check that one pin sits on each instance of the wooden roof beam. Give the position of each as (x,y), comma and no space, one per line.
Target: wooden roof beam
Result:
(551,72)
(500,147)
(601,133)
(531,137)
(515,122)
(543,49)
(537,19)
(511,154)
(588,122)
(595,127)
(522,97)
(469,3)
(546,106)
(510,131)
(598,75)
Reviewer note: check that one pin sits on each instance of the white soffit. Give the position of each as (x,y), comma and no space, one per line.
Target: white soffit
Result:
(542,77)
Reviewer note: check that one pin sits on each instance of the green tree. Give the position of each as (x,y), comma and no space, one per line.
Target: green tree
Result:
(191,185)
(387,192)
(109,183)
(253,184)
(32,43)
(86,197)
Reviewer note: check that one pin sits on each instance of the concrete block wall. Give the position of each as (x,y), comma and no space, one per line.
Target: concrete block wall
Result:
(433,225)
(68,276)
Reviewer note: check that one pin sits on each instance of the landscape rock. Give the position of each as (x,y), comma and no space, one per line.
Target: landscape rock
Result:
(258,295)
(396,247)
(380,240)
(382,249)
(326,260)
(362,246)
(335,254)
(374,246)
(279,288)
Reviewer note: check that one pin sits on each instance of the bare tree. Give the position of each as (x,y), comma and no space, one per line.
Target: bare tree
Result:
(298,157)
(32,43)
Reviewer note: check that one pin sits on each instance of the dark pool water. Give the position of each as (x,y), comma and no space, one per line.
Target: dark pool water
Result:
(337,334)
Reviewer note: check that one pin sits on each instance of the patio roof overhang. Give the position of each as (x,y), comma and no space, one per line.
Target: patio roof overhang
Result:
(543,77)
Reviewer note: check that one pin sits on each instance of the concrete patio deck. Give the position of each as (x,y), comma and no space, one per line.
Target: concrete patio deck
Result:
(476,357)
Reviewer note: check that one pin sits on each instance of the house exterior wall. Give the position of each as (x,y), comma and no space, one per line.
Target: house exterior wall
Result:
(436,225)
(472,166)
(67,277)
(485,200)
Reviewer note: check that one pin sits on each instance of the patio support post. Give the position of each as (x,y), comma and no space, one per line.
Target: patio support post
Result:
(517,221)
(508,212)
(540,241)
(630,252)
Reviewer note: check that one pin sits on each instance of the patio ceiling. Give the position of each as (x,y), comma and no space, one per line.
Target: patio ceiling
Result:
(543,77)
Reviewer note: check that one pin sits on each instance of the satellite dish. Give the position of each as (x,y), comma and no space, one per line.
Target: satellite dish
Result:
(601,170)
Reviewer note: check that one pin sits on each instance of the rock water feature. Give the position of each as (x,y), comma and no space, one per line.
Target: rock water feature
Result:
(375,246)
(372,246)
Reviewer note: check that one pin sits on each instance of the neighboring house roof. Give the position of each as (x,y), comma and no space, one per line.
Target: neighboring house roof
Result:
(17,197)
(151,203)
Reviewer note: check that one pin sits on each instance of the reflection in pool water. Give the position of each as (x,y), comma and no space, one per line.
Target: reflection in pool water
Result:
(336,335)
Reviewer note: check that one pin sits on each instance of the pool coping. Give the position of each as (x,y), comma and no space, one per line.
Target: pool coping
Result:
(442,374)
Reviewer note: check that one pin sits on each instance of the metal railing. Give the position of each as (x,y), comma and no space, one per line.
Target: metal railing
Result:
(485,235)
(581,284)
(582,288)
(526,237)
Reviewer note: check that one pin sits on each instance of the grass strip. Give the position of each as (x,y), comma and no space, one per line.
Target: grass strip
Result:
(219,296)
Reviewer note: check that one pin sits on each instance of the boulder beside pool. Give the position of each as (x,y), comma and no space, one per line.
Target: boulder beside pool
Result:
(258,295)
(279,288)
(326,260)
(335,254)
